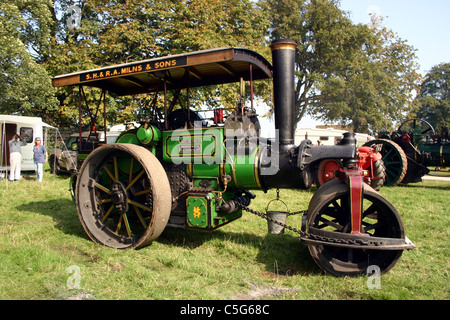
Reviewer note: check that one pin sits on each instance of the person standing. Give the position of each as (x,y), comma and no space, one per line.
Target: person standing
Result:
(15,156)
(39,157)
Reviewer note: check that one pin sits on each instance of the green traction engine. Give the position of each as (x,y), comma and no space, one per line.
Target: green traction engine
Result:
(179,170)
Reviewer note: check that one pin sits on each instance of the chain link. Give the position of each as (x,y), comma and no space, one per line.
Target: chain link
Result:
(357,242)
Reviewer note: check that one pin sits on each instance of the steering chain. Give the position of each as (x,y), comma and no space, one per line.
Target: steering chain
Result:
(359,242)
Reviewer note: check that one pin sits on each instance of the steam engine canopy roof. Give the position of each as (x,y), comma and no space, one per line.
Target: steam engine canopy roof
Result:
(206,67)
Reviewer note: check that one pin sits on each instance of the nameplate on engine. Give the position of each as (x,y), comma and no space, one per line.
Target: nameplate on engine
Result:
(189,146)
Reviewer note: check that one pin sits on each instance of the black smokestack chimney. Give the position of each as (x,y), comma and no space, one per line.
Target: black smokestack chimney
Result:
(283,56)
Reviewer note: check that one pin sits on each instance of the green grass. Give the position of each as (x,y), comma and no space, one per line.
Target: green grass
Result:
(443,171)
(41,237)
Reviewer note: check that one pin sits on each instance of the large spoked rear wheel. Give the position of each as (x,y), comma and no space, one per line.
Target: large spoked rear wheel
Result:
(394,159)
(123,196)
(329,210)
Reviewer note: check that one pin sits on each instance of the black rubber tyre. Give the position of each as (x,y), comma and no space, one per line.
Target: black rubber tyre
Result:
(379,172)
(329,210)
(123,196)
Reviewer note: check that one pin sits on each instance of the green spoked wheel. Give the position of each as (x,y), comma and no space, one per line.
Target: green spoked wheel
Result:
(123,196)
(329,212)
(394,159)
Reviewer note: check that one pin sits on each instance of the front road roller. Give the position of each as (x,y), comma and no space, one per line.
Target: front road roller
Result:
(344,240)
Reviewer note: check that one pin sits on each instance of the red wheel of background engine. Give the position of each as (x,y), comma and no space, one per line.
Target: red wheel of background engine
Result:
(326,171)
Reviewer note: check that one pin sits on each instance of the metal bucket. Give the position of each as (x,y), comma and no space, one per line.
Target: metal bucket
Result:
(280,216)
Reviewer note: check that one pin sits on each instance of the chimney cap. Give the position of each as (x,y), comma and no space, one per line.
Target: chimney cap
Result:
(283,44)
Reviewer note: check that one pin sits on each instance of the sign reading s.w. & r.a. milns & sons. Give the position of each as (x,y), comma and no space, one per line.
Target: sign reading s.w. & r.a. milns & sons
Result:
(145,66)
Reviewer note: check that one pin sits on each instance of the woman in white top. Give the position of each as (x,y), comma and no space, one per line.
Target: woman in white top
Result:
(15,157)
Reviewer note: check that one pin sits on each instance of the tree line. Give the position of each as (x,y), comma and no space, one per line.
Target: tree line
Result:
(360,75)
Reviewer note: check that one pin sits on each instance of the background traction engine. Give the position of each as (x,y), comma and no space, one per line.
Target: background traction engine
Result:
(409,150)
(198,177)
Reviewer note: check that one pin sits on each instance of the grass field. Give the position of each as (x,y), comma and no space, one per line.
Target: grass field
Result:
(45,254)
(445,171)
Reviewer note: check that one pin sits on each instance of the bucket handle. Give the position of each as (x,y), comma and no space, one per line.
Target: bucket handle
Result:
(277,199)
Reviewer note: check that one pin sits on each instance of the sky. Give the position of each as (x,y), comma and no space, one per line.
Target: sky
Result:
(425,24)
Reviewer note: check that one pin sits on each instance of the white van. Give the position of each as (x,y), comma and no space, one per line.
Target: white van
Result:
(28,128)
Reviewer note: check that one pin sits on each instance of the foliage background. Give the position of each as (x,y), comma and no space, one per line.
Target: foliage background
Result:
(362,76)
